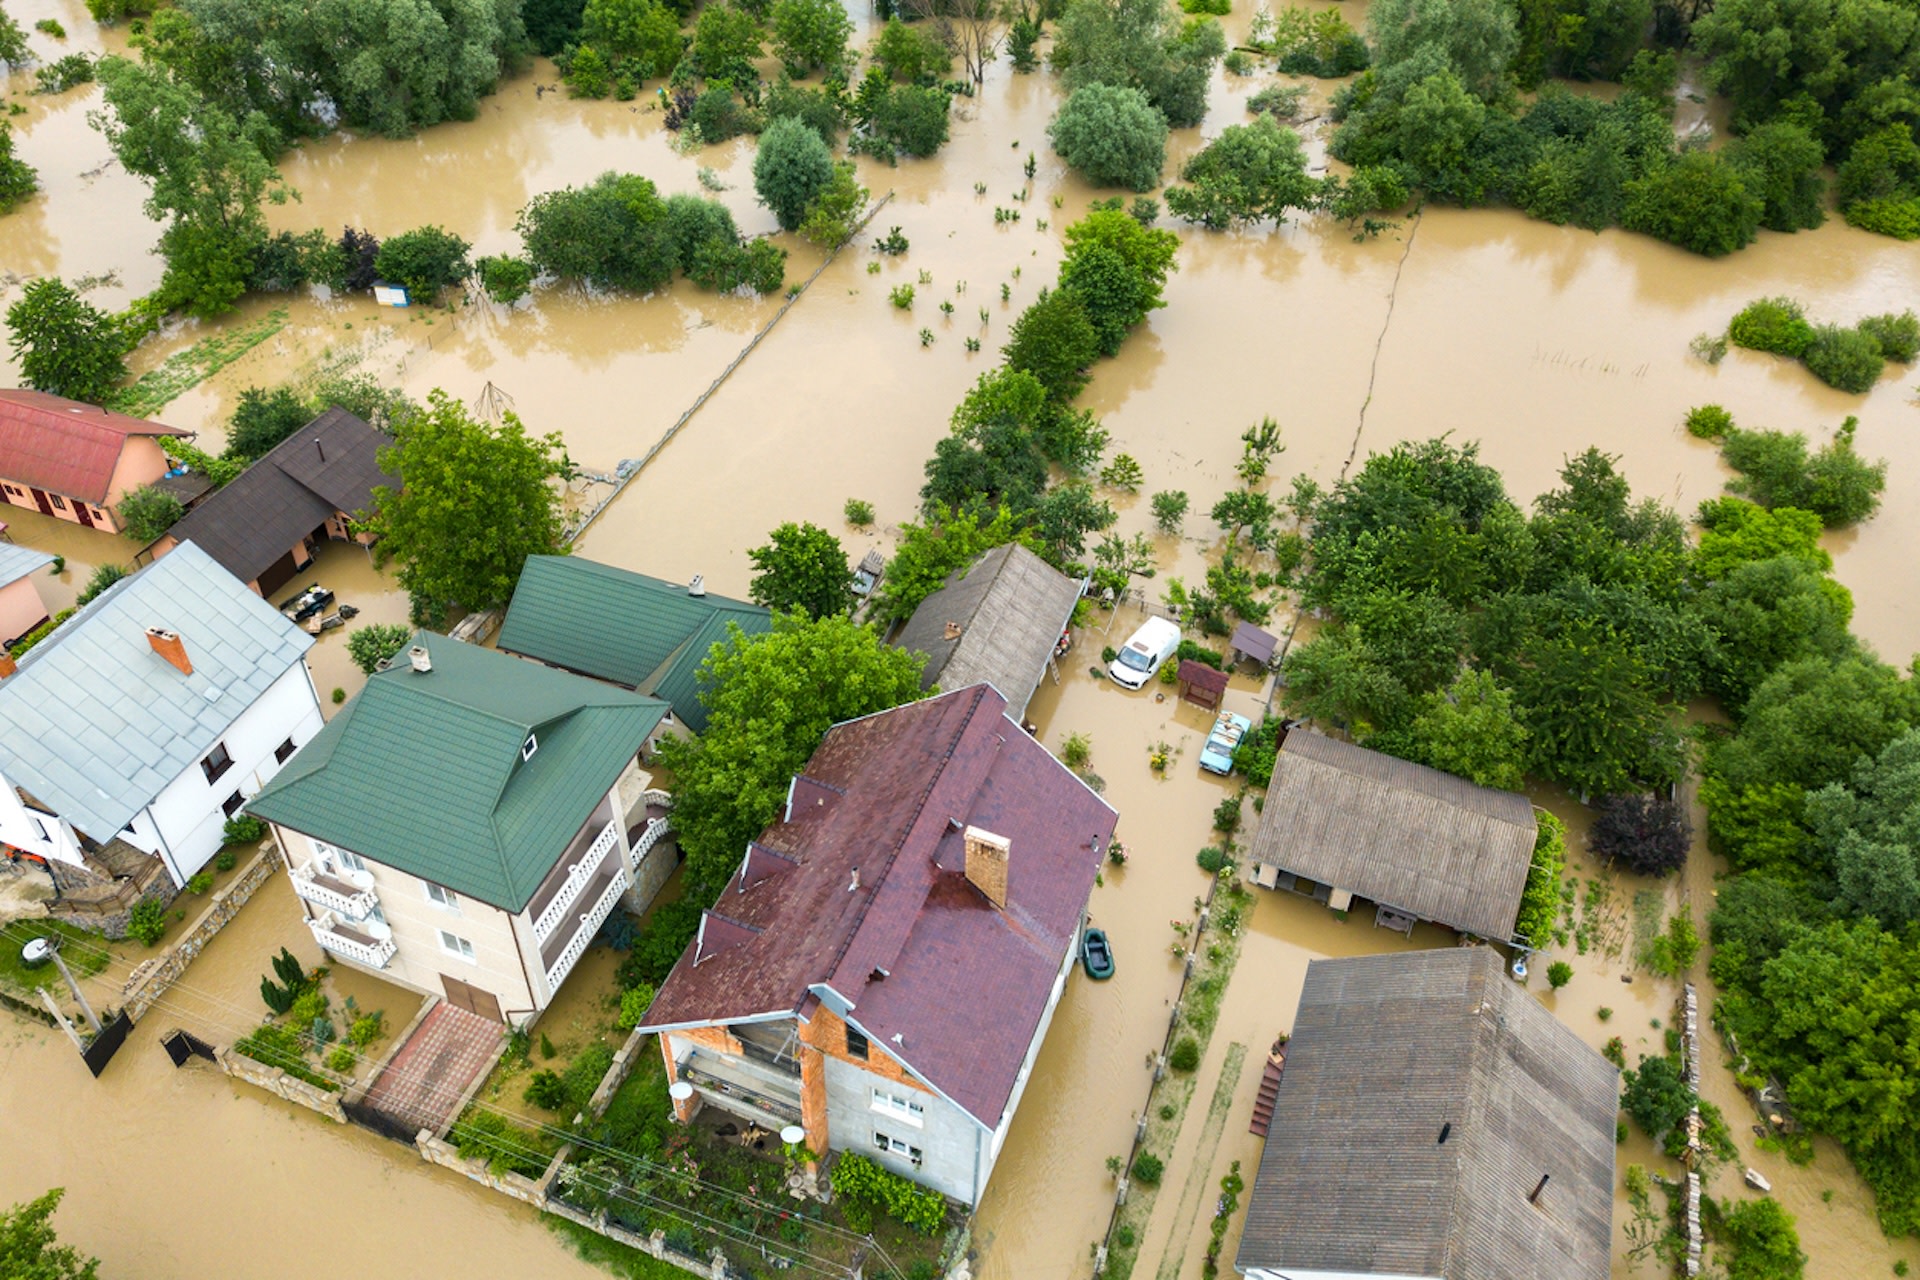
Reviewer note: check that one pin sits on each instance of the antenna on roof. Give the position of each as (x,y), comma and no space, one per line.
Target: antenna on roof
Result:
(321,447)
(1538,1188)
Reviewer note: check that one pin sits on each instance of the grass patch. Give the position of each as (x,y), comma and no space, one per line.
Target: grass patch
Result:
(85,954)
(184,370)
(1200,1175)
(611,1255)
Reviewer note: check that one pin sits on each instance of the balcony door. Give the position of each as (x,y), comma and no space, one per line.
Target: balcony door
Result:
(464,995)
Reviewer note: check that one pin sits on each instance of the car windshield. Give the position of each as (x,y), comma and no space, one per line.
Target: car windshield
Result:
(1132,657)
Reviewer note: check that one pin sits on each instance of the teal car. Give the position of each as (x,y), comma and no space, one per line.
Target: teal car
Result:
(1228,730)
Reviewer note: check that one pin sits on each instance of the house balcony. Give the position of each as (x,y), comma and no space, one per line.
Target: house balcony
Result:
(601,893)
(359,945)
(743,1088)
(351,895)
(647,822)
(584,871)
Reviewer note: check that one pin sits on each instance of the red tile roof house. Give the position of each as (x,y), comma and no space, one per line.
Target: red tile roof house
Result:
(75,461)
(882,968)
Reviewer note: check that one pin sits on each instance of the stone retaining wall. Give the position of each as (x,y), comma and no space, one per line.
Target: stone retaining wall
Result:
(617,1074)
(280,1084)
(150,980)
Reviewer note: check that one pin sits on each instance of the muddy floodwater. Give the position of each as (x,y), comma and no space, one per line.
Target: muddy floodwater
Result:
(1533,340)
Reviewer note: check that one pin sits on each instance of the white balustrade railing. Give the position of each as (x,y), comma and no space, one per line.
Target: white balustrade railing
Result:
(373,954)
(656,829)
(355,906)
(658,798)
(590,922)
(577,877)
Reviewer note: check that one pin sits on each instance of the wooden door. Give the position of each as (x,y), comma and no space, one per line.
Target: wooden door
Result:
(84,512)
(464,995)
(40,500)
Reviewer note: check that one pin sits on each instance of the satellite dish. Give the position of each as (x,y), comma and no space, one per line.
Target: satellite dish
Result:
(793,1135)
(679,1091)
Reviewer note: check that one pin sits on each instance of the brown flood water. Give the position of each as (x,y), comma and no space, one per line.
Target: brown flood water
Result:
(1536,341)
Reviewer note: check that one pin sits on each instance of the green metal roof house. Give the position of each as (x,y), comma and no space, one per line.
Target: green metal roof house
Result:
(468,822)
(623,627)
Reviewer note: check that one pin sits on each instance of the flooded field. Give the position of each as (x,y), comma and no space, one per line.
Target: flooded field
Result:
(1535,341)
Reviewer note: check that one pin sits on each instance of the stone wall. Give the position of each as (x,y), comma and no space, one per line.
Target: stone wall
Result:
(617,1074)
(150,980)
(280,1084)
(654,1245)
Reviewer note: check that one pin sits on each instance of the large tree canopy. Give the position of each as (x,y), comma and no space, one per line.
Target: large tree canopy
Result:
(803,568)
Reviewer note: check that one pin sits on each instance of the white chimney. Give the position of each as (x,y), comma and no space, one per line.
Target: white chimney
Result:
(421,660)
(698,587)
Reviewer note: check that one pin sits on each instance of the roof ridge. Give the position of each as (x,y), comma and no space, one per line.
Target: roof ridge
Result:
(1482,1036)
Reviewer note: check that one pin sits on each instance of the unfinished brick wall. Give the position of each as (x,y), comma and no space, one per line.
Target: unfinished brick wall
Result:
(827,1032)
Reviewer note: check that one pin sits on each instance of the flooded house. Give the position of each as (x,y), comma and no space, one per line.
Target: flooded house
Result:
(263,526)
(881,970)
(1434,1121)
(76,461)
(22,608)
(145,721)
(468,822)
(1341,823)
(641,633)
(1001,619)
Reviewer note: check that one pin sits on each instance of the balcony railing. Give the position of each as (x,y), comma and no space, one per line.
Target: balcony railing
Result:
(578,875)
(732,1089)
(656,830)
(349,943)
(330,893)
(590,922)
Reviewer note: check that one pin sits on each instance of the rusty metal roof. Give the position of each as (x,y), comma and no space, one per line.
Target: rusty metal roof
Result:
(64,446)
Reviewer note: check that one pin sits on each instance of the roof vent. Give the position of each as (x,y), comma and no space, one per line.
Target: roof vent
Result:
(527,748)
(321,447)
(878,975)
(167,645)
(698,587)
(953,630)
(1445,1129)
(420,659)
(1538,1188)
(855,882)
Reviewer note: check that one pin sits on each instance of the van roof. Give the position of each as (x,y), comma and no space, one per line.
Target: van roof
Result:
(1154,630)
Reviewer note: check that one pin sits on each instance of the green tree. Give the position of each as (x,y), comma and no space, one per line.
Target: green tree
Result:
(1472,729)
(148,512)
(18,179)
(1657,1096)
(262,419)
(810,35)
(611,234)
(1759,1242)
(64,345)
(1249,173)
(478,500)
(1764,613)
(726,44)
(1476,38)
(909,54)
(1737,532)
(29,1248)
(1117,269)
(1834,482)
(1648,833)
(1112,135)
(910,119)
(1055,342)
(640,37)
(369,646)
(424,260)
(802,569)
(1698,202)
(1811,719)
(551,25)
(1780,162)
(837,210)
(790,170)
(946,541)
(770,699)
(993,455)
(14,52)
(1869,832)
(1845,358)
(1144,45)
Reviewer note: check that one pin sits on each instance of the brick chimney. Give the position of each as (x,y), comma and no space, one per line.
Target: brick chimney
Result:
(7,665)
(167,645)
(987,864)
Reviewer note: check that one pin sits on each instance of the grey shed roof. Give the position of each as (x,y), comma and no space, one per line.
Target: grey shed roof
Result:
(1389,1050)
(98,723)
(1009,608)
(16,562)
(331,464)
(1401,834)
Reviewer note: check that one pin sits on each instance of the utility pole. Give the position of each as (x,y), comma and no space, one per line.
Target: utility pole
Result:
(93,1019)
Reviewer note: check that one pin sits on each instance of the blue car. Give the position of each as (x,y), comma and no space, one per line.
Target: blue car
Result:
(1217,755)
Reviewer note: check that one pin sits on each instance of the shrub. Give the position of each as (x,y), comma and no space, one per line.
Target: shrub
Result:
(1226,815)
(342,1059)
(1559,974)
(506,278)
(309,1004)
(1848,359)
(148,512)
(147,921)
(225,860)
(200,882)
(1169,509)
(1123,473)
(1709,422)
(859,513)
(1112,135)
(1185,1055)
(1759,1242)
(276,997)
(1648,833)
(276,1046)
(365,1029)
(1711,347)
(371,645)
(64,73)
(1211,859)
(339,696)
(870,1186)
(1148,1168)
(1672,953)
(546,1091)
(634,1003)
(425,260)
(1540,900)
(1897,336)
(1778,325)
(901,296)
(243,829)
(103,577)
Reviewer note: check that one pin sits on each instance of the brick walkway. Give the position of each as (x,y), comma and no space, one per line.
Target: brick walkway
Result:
(425,1080)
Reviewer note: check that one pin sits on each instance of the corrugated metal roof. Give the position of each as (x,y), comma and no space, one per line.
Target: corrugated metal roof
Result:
(1397,833)
(331,464)
(1386,1051)
(613,624)
(98,722)
(996,620)
(65,446)
(423,770)
(16,562)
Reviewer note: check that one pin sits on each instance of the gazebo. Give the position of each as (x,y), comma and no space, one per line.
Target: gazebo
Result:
(1201,684)
(1251,643)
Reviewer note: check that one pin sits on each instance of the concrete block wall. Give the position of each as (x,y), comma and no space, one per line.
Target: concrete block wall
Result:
(280,1084)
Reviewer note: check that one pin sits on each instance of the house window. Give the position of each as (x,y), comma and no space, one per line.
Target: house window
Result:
(455,945)
(217,762)
(527,748)
(59,503)
(440,897)
(893,1146)
(281,752)
(900,1106)
(856,1045)
(231,805)
(351,861)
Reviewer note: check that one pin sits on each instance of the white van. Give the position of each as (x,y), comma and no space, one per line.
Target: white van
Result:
(1145,651)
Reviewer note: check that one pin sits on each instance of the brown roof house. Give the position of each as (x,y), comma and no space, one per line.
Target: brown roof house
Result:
(75,461)
(262,527)
(882,968)
(1435,1121)
(1341,822)
(996,620)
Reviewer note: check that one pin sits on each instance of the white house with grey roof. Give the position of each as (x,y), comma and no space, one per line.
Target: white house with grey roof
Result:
(148,719)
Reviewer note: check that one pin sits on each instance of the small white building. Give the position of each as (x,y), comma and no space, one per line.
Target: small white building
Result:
(145,722)
(466,824)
